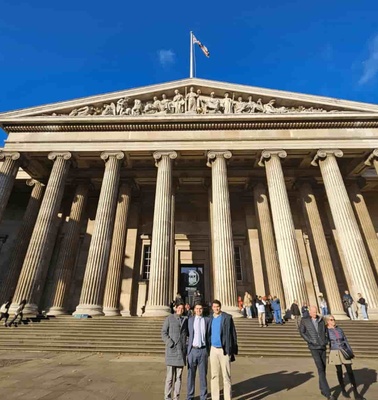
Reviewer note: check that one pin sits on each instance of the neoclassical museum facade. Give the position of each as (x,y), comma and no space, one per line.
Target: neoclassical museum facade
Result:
(112,204)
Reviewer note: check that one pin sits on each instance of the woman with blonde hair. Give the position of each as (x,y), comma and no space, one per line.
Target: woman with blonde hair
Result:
(341,354)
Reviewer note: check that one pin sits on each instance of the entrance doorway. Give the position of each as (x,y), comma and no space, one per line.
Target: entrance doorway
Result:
(191,280)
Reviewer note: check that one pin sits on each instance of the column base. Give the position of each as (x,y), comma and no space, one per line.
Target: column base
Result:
(125,313)
(30,309)
(93,310)
(340,316)
(372,314)
(157,311)
(234,311)
(54,311)
(111,312)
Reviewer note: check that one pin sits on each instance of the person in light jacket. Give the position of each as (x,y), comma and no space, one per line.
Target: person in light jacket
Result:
(174,334)
(261,312)
(336,337)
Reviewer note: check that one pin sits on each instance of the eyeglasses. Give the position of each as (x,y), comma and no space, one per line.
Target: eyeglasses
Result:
(331,319)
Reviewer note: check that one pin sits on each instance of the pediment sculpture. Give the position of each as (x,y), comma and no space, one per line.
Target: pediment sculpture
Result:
(192,102)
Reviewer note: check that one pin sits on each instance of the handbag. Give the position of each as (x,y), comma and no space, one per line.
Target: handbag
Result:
(344,348)
(346,351)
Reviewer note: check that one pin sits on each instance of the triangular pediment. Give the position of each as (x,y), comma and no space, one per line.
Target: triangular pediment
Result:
(191,97)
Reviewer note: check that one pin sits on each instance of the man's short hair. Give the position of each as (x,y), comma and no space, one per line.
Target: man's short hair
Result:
(179,303)
(198,303)
(217,302)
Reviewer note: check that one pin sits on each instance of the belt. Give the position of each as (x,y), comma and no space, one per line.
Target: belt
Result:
(196,347)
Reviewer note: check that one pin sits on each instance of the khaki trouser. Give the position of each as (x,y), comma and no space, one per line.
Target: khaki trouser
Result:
(220,365)
(261,318)
(173,380)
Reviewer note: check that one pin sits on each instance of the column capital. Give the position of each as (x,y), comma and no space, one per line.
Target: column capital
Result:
(324,153)
(158,155)
(213,155)
(54,155)
(372,156)
(32,182)
(13,155)
(105,155)
(268,154)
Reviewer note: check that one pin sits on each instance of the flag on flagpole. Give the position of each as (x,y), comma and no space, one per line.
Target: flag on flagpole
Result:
(202,47)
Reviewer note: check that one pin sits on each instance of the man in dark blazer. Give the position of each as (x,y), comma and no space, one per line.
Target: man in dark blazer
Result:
(174,334)
(198,351)
(224,347)
(314,332)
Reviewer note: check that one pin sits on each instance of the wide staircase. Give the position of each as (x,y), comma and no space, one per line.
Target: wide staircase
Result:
(142,336)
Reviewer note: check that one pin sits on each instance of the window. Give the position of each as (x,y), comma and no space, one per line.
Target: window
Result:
(146,261)
(238,264)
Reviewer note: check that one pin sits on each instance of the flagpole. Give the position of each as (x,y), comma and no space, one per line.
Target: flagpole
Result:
(191,55)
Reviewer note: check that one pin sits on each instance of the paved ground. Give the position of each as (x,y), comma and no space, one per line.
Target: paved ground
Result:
(78,376)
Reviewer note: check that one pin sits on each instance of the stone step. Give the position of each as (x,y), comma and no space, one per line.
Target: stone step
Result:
(130,335)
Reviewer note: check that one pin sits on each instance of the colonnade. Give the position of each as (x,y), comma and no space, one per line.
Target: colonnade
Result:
(101,285)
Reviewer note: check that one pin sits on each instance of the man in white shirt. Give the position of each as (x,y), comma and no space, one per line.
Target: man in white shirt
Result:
(198,351)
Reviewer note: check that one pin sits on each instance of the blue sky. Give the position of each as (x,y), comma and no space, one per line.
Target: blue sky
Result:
(52,51)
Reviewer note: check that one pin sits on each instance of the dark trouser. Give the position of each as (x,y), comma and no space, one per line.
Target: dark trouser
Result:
(197,358)
(20,315)
(340,378)
(4,315)
(320,359)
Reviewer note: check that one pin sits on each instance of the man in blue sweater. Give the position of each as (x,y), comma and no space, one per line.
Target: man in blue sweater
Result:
(276,306)
(224,347)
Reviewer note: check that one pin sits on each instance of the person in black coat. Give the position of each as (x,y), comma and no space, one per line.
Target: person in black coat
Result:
(314,332)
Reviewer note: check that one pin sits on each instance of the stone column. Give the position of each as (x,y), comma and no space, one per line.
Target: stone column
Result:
(223,243)
(320,246)
(98,255)
(365,221)
(8,174)
(31,281)
(22,239)
(117,253)
(269,251)
(67,253)
(293,279)
(372,160)
(158,287)
(357,262)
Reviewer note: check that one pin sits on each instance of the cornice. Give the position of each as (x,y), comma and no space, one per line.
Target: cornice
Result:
(189,126)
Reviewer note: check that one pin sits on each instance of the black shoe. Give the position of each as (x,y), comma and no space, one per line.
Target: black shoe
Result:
(345,394)
(331,397)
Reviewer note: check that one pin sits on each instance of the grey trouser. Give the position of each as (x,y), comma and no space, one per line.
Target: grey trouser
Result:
(173,380)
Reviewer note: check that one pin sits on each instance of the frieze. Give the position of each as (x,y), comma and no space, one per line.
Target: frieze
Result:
(192,102)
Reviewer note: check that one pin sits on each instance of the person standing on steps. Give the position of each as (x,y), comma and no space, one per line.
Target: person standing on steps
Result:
(295,313)
(362,308)
(224,347)
(337,339)
(314,332)
(247,302)
(4,311)
(349,305)
(198,351)
(174,334)
(261,312)
(276,306)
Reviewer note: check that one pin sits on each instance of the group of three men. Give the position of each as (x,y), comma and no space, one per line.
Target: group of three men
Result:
(194,340)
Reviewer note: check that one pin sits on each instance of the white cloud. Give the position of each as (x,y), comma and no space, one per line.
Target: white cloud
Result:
(166,57)
(370,66)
